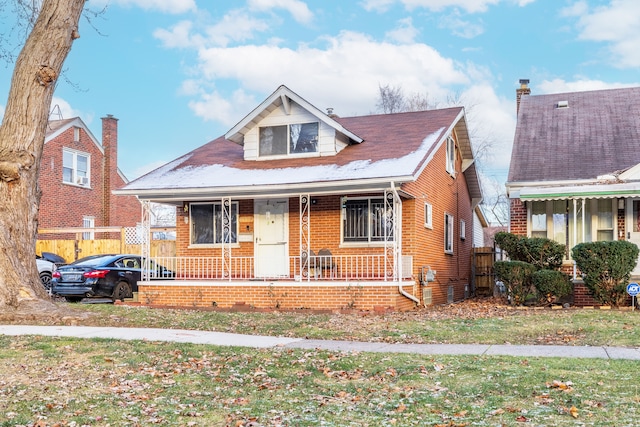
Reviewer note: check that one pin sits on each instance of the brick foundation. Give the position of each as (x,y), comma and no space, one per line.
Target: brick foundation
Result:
(291,295)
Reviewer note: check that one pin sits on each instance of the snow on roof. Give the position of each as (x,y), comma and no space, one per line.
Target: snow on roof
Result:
(189,176)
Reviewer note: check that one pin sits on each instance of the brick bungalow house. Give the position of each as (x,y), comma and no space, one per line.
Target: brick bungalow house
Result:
(294,208)
(575,169)
(77,177)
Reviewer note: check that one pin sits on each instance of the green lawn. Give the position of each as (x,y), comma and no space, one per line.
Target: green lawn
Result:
(74,382)
(65,382)
(461,324)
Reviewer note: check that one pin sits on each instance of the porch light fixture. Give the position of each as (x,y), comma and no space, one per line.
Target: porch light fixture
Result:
(185,207)
(620,203)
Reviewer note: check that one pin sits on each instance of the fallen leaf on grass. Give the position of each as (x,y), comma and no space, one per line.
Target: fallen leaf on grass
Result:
(574,412)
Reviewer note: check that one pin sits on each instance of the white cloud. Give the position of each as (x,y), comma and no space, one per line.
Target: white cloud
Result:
(236,26)
(298,9)
(492,121)
(178,36)
(616,24)
(579,85)
(460,27)
(471,6)
(405,32)
(345,73)
(578,8)
(61,109)
(166,6)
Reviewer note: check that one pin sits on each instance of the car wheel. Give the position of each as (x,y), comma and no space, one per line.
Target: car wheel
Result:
(122,291)
(45,278)
(73,299)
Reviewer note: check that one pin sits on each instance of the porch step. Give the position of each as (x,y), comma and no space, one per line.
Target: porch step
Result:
(132,299)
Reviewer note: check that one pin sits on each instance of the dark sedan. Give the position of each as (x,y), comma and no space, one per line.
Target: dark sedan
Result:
(105,276)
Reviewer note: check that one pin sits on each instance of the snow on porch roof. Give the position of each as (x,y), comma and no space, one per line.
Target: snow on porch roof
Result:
(591,191)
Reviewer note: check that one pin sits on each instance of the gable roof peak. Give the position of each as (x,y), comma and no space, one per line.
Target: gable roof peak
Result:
(282,98)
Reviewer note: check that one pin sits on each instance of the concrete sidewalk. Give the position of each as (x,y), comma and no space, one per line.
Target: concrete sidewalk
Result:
(257,341)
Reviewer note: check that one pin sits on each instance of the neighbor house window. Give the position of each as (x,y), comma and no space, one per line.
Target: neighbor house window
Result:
(451,155)
(448,233)
(604,220)
(538,219)
(367,220)
(207,224)
(288,139)
(463,230)
(428,215)
(88,222)
(75,168)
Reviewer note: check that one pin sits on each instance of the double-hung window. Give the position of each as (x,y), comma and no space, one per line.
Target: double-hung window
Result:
(448,233)
(428,215)
(76,168)
(366,221)
(288,139)
(88,222)
(210,224)
(451,156)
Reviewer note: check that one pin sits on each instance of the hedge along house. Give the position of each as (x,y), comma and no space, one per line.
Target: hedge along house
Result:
(575,169)
(295,208)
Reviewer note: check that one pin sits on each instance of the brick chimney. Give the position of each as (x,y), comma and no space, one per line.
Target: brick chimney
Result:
(110,165)
(522,90)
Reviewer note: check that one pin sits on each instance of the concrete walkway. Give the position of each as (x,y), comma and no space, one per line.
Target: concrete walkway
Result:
(256,341)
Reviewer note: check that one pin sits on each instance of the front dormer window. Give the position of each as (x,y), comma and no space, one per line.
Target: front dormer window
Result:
(288,139)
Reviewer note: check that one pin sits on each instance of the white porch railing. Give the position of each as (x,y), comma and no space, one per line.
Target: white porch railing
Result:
(335,267)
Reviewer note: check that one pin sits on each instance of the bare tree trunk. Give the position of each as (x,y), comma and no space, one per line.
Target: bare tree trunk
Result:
(21,142)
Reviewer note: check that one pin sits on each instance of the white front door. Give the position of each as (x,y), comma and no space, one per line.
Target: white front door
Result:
(633,227)
(271,245)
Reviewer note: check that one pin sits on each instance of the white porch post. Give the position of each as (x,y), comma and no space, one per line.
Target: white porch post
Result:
(145,246)
(305,237)
(226,238)
(393,234)
(575,222)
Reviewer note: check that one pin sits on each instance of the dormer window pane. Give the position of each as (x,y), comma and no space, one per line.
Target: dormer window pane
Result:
(303,138)
(288,139)
(273,140)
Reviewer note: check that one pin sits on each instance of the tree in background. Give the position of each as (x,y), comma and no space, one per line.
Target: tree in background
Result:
(391,99)
(36,71)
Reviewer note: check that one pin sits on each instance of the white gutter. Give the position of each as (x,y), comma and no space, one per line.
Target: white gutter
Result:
(396,199)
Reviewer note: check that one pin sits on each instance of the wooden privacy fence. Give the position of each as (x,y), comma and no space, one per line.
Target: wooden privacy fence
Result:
(73,245)
(483,273)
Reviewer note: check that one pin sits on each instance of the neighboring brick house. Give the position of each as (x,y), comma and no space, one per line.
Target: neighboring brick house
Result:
(77,176)
(294,208)
(575,169)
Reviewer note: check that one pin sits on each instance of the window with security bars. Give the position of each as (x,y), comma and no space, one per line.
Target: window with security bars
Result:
(367,220)
(207,224)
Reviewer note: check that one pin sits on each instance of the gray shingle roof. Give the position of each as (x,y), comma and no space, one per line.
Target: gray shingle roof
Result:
(598,133)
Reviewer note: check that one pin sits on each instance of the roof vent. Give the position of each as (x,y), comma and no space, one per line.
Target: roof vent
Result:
(562,104)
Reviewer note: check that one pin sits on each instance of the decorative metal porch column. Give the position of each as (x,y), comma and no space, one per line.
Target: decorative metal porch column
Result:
(145,246)
(305,237)
(226,238)
(393,234)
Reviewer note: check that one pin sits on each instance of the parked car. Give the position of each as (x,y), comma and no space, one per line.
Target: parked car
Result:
(54,258)
(46,270)
(106,276)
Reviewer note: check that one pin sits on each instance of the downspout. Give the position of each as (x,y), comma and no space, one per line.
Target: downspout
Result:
(397,239)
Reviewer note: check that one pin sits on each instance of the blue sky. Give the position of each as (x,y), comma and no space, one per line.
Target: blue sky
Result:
(179,73)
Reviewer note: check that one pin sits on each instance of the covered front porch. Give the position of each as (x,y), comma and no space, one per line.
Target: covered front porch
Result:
(284,252)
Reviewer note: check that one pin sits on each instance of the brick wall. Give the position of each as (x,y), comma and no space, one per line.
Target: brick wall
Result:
(446,194)
(65,205)
(274,295)
(517,217)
